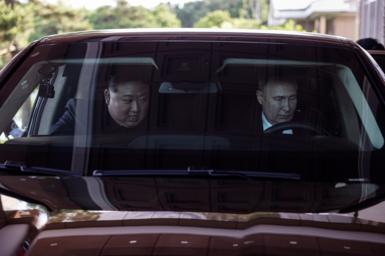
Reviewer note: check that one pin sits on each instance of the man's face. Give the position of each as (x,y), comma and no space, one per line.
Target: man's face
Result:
(128,105)
(279,101)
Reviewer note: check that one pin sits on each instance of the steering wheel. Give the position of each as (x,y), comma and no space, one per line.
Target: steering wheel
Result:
(279,128)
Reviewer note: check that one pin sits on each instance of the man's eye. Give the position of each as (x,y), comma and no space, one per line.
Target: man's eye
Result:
(127,101)
(278,98)
(293,98)
(143,99)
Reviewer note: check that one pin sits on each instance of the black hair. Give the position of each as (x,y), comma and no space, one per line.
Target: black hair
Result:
(369,43)
(123,74)
(113,82)
(276,80)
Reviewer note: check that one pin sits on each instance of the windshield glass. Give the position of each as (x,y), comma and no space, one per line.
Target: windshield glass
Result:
(224,106)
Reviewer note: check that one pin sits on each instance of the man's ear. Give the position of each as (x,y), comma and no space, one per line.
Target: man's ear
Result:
(107,96)
(259,96)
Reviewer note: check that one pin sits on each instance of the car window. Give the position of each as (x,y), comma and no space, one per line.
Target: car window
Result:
(22,117)
(379,57)
(117,106)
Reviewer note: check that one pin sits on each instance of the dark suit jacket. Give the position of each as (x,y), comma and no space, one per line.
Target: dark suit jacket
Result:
(66,123)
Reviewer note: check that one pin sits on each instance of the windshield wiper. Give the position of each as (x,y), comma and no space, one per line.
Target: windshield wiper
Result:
(14,167)
(200,172)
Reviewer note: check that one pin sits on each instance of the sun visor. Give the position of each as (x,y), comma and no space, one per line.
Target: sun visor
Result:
(182,68)
(188,88)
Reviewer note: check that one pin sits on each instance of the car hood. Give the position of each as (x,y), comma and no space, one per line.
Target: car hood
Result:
(215,194)
(177,216)
(197,233)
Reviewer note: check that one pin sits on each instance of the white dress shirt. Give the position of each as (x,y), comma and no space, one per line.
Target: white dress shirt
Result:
(266,125)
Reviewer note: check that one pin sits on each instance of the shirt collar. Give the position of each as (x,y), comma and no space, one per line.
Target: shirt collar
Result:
(266,124)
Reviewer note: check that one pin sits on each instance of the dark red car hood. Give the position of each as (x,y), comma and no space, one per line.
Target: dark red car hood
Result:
(179,216)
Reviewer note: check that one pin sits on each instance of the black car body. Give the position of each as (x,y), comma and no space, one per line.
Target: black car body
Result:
(199,175)
(379,56)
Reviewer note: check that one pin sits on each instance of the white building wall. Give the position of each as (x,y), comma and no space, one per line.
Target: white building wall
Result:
(372,19)
(346,26)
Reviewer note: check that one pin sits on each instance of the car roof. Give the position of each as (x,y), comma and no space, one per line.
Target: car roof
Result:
(197,34)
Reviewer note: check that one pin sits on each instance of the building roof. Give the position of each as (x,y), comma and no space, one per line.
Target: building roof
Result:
(304,9)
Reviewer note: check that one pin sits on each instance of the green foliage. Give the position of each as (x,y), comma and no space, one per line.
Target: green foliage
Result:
(8,22)
(255,9)
(125,16)
(122,16)
(264,10)
(54,19)
(233,7)
(165,17)
(215,19)
(22,21)
(245,23)
(222,19)
(289,25)
(191,12)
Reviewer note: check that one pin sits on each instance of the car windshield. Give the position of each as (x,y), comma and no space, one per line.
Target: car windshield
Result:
(379,56)
(102,107)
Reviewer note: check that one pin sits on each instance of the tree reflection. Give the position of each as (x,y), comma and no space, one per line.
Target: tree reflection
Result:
(74,215)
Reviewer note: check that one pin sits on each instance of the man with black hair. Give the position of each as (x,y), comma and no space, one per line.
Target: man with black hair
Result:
(126,100)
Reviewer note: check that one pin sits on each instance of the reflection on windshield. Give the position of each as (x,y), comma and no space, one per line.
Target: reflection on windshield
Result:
(22,209)
(281,109)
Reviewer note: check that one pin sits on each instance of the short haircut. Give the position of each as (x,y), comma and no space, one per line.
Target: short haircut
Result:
(125,73)
(277,80)
(114,82)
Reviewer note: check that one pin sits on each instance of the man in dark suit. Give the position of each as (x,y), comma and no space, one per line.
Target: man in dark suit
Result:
(126,101)
(278,100)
